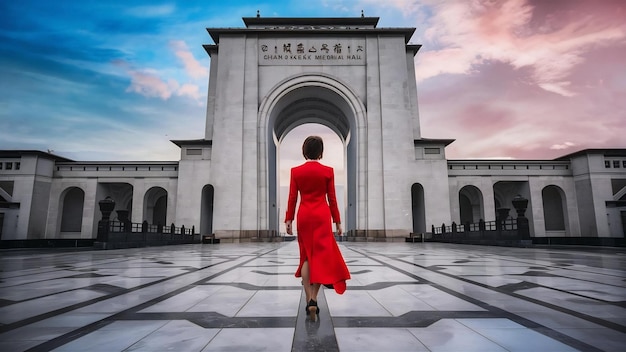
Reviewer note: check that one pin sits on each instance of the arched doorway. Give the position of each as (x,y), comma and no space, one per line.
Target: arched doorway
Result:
(73,200)
(206,210)
(155,206)
(471,205)
(317,99)
(290,155)
(553,208)
(418,208)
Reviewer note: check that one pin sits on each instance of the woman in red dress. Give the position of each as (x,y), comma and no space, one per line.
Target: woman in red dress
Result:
(321,262)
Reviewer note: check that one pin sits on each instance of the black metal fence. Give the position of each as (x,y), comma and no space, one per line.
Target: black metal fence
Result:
(509,231)
(505,230)
(125,234)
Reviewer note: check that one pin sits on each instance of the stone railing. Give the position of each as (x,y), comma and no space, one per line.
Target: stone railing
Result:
(505,230)
(126,234)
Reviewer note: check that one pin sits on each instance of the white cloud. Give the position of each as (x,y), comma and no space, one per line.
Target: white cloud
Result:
(565,145)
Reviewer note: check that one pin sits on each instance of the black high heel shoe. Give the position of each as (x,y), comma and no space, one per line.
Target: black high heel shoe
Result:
(312,309)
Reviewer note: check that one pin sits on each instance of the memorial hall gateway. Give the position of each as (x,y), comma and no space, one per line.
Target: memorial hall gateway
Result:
(357,79)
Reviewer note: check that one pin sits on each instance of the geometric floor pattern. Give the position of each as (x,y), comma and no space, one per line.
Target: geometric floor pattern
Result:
(244,297)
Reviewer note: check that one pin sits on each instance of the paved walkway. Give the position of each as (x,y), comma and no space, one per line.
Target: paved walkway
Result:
(244,297)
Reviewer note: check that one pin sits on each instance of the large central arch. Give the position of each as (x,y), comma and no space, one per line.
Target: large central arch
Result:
(311,98)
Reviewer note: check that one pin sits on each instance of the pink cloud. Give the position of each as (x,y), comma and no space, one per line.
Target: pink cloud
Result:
(148,84)
(193,68)
(190,90)
(470,33)
(489,79)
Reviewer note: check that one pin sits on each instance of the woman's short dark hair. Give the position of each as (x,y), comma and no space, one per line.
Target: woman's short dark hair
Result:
(313,148)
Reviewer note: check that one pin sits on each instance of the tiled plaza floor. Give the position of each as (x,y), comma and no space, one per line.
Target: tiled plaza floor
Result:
(244,297)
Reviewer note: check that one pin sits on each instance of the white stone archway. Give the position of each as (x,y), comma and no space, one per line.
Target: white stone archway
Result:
(311,98)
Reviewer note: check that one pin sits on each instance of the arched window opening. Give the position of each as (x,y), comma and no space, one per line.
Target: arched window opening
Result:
(553,214)
(72,214)
(418,208)
(471,205)
(206,210)
(155,206)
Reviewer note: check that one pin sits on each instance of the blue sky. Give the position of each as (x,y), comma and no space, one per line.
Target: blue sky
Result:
(117,80)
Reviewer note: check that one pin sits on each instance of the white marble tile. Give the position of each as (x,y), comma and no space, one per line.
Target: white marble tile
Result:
(272,263)
(18,346)
(128,282)
(45,288)
(177,335)
(355,303)
(494,281)
(381,274)
(117,336)
(580,304)
(611,294)
(20,311)
(32,333)
(439,300)
(185,300)
(523,340)
(587,288)
(489,323)
(227,301)
(398,301)
(36,277)
(449,335)
(243,340)
(272,303)
(478,270)
(70,319)
(377,339)
(604,339)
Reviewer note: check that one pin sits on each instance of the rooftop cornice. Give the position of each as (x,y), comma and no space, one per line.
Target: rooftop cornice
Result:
(610,152)
(431,141)
(310,21)
(215,33)
(15,153)
(192,142)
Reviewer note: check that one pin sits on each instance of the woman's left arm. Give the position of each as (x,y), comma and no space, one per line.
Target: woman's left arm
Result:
(332,198)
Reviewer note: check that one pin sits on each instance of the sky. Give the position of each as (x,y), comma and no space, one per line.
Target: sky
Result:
(118,79)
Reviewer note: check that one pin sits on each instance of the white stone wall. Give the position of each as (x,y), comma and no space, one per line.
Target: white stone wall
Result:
(194,175)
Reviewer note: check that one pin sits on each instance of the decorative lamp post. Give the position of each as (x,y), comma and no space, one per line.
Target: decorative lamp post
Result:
(521,204)
(106,208)
(503,214)
(122,216)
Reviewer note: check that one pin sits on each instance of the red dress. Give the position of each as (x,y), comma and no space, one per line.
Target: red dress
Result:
(316,185)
